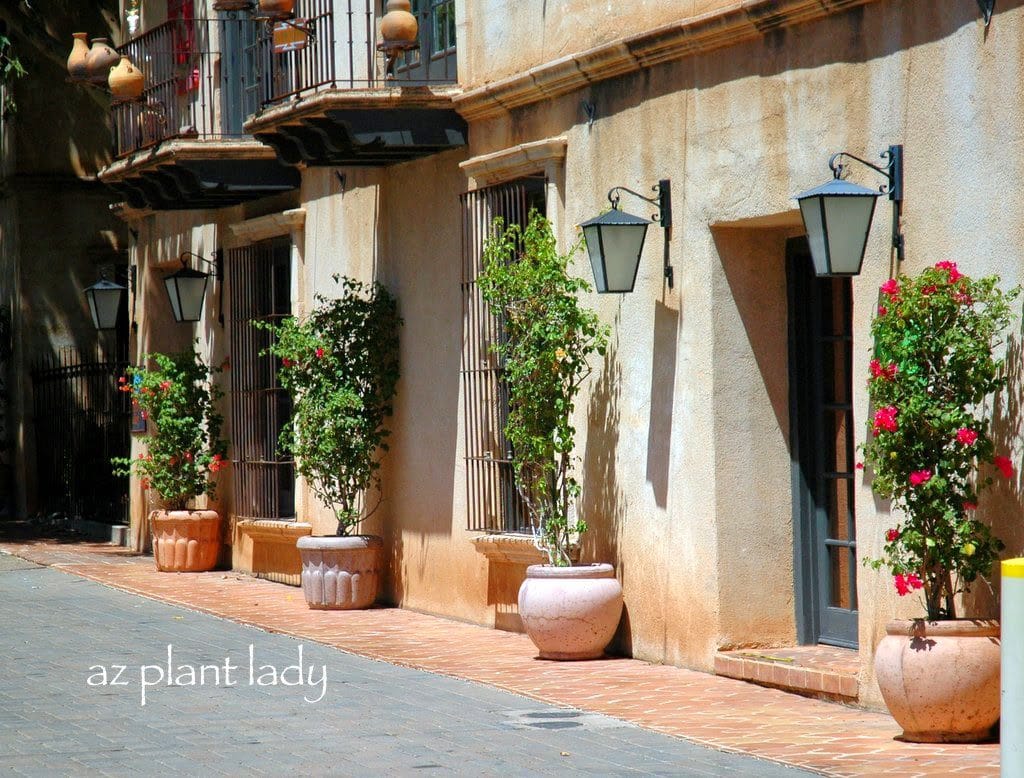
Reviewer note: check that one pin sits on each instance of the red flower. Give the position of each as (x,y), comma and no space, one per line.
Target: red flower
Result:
(886,373)
(970,506)
(885,420)
(145,483)
(165,385)
(1005,466)
(859,466)
(919,477)
(285,362)
(954,274)
(963,298)
(930,289)
(966,436)
(882,310)
(905,584)
(319,353)
(891,288)
(892,535)
(187,456)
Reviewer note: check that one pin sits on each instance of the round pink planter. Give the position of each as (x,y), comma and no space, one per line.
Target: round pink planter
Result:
(340,573)
(185,541)
(940,679)
(570,612)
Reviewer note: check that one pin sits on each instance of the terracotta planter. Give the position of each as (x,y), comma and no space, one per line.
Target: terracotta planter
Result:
(232,5)
(340,573)
(79,53)
(100,60)
(570,612)
(126,81)
(185,541)
(940,679)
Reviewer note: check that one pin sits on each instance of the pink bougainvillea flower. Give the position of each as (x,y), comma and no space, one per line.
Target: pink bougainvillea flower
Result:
(165,385)
(919,477)
(285,362)
(905,584)
(970,506)
(930,289)
(859,466)
(882,310)
(963,298)
(966,436)
(891,287)
(954,274)
(885,420)
(319,353)
(1005,466)
(892,535)
(886,373)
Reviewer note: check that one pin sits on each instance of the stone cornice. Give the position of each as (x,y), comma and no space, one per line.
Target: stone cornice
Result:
(727,26)
(273,529)
(507,164)
(263,227)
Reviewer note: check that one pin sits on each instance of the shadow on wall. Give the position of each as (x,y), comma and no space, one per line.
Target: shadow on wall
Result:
(663,374)
(1003,504)
(603,506)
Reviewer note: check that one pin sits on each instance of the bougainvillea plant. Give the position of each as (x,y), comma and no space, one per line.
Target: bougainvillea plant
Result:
(177,396)
(549,337)
(340,367)
(935,369)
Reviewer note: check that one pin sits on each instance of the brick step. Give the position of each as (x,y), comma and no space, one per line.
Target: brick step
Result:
(824,672)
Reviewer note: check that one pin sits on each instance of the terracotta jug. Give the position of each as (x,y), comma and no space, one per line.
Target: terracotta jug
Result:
(398,28)
(100,60)
(126,80)
(277,9)
(76,60)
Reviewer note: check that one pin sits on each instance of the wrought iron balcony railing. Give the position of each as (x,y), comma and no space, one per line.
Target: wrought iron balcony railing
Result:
(342,53)
(202,81)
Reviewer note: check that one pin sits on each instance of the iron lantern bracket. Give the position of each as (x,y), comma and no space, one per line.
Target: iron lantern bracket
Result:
(663,200)
(893,172)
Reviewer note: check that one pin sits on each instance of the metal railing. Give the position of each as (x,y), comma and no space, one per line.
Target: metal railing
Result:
(342,53)
(201,81)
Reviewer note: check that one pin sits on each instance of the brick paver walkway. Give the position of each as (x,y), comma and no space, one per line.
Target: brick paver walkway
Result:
(720,712)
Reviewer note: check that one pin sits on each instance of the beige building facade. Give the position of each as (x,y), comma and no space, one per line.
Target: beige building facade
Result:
(717,437)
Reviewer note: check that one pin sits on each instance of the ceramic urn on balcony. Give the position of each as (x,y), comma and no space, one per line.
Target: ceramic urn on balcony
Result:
(77,69)
(399,28)
(100,60)
(126,81)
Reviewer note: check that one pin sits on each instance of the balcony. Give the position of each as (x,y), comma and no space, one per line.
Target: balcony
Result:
(337,100)
(183,146)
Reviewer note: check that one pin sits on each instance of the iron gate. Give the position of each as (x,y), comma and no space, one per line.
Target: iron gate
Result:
(81,421)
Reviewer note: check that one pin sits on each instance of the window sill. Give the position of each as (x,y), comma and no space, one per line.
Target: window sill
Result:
(510,549)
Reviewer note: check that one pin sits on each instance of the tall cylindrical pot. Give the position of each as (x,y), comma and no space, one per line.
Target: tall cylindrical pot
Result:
(100,60)
(77,69)
(570,612)
(940,679)
(185,541)
(340,573)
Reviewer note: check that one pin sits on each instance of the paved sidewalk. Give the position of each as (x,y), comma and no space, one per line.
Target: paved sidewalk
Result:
(728,715)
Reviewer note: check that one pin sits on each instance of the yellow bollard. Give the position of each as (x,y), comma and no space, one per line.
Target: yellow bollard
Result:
(1011,726)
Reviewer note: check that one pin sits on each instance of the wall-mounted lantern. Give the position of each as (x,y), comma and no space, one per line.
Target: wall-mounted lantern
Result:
(186,287)
(105,298)
(615,239)
(837,215)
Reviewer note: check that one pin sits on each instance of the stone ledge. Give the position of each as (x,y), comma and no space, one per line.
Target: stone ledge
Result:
(743,21)
(510,548)
(505,165)
(796,670)
(273,528)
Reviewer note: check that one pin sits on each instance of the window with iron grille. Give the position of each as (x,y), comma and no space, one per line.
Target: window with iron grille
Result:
(493,503)
(263,479)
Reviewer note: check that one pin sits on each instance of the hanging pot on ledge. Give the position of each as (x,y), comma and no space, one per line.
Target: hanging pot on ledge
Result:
(277,9)
(399,28)
(100,60)
(77,69)
(126,81)
(232,5)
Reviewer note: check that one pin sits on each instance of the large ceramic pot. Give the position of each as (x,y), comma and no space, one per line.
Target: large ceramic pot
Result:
(100,60)
(126,81)
(940,679)
(77,58)
(399,28)
(185,541)
(340,573)
(570,612)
